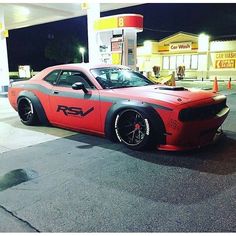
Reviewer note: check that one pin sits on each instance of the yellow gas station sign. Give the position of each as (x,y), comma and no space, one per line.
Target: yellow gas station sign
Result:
(119,21)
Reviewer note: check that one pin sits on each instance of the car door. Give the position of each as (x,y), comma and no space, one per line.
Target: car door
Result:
(75,109)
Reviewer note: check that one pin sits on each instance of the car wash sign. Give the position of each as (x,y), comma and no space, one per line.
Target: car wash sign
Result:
(185,46)
(225,60)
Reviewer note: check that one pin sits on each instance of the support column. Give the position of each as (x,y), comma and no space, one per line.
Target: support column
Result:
(203,55)
(93,13)
(4,69)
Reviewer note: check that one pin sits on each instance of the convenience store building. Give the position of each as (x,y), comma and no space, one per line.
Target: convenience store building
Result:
(201,55)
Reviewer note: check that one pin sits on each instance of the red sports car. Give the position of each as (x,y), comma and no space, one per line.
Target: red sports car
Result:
(121,104)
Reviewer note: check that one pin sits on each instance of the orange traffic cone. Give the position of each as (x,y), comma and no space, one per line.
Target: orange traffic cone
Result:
(215,88)
(229,84)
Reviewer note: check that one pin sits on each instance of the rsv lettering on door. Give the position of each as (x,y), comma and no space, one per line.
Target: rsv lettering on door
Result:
(73,111)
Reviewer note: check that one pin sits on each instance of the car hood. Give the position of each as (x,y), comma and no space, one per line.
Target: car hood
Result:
(167,94)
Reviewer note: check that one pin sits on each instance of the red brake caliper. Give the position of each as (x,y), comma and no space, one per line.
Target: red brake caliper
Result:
(137,126)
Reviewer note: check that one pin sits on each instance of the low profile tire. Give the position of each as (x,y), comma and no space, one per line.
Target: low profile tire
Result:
(133,128)
(27,112)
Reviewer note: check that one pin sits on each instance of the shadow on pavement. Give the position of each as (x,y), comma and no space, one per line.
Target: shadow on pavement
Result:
(218,158)
(181,178)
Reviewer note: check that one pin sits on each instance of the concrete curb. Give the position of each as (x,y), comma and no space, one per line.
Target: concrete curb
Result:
(4,94)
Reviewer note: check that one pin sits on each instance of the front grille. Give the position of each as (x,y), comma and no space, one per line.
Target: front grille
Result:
(201,113)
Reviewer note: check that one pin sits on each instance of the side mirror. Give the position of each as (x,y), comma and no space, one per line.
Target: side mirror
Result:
(79,86)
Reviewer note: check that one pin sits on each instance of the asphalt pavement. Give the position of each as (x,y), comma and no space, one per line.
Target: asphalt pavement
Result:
(61,181)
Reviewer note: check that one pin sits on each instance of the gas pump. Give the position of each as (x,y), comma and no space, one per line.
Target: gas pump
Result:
(117,49)
(117,38)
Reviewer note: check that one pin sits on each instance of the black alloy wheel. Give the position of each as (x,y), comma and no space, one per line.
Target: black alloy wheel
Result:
(133,129)
(26,112)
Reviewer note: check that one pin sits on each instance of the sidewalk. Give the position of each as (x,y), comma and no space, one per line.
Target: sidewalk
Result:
(3,94)
(204,79)
(15,135)
(207,85)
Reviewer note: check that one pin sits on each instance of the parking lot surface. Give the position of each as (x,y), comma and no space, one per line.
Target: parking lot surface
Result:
(53,180)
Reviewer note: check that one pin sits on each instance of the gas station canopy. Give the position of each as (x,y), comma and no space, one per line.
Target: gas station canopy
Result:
(18,15)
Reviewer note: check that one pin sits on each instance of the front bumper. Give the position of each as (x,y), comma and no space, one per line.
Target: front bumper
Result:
(195,134)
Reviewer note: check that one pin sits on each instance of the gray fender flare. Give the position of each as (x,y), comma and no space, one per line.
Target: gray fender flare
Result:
(156,122)
(37,105)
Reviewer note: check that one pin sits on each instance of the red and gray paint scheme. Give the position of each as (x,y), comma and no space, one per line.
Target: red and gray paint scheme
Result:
(138,114)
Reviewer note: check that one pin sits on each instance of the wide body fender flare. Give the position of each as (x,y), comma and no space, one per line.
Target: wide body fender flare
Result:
(36,104)
(154,118)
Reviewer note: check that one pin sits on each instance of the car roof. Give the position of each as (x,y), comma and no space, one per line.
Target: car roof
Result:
(86,66)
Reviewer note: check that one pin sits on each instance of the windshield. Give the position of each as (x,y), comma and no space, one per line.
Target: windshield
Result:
(112,77)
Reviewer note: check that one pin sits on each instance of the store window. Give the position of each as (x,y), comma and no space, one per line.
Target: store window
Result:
(166,63)
(172,62)
(180,60)
(187,61)
(194,62)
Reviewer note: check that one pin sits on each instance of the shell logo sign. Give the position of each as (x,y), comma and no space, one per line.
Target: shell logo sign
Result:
(225,60)
(119,21)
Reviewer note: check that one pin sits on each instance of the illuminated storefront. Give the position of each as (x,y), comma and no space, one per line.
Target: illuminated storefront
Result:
(200,57)
(222,61)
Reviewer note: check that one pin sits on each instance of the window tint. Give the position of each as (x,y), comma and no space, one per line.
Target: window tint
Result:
(52,77)
(113,77)
(68,78)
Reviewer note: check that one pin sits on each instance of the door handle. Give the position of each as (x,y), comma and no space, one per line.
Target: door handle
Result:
(55,92)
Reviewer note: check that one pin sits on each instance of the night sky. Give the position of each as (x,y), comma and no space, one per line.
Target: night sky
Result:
(26,45)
